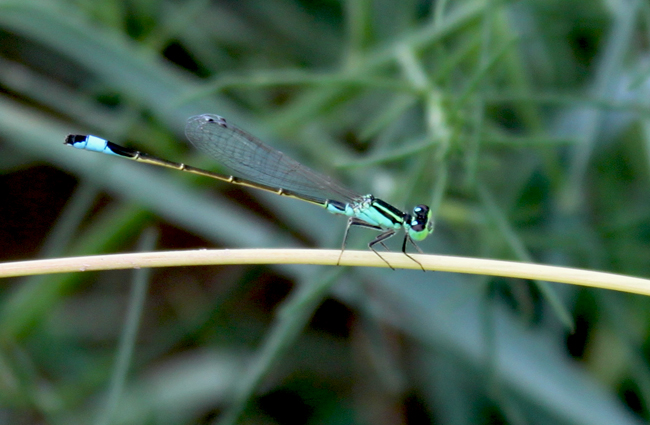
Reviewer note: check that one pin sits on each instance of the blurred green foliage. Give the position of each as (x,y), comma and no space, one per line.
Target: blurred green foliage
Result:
(524,124)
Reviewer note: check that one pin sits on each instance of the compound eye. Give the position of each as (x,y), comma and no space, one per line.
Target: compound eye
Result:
(420,211)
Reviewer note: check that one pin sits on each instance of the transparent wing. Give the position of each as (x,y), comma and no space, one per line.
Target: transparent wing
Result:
(247,157)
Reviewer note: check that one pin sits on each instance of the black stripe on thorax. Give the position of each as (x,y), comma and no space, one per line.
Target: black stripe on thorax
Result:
(388,211)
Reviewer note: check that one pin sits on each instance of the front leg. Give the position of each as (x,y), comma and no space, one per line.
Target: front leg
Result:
(408,238)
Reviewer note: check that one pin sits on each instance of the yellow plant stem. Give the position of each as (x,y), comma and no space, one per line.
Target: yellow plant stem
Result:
(441,263)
